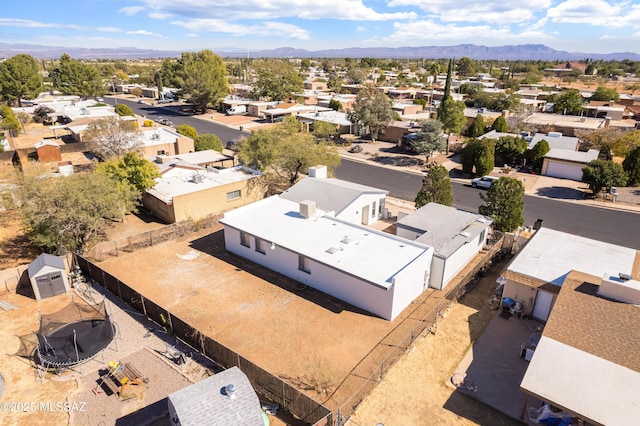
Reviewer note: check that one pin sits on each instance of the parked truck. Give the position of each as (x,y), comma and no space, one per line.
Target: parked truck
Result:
(237,110)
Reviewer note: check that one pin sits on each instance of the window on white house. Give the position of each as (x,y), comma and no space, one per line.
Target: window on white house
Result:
(260,244)
(482,236)
(161,152)
(233,195)
(244,239)
(303,264)
(373,210)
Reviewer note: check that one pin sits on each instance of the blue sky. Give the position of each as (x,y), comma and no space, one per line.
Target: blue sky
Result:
(593,26)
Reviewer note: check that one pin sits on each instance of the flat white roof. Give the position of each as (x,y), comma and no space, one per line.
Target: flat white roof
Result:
(164,136)
(277,220)
(565,120)
(577,156)
(333,117)
(179,181)
(551,255)
(592,387)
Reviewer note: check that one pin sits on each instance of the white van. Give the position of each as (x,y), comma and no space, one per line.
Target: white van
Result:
(237,110)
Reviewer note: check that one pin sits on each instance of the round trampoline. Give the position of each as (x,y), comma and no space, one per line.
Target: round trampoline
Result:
(73,335)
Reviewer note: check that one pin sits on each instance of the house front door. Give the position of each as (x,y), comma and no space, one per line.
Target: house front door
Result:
(365,215)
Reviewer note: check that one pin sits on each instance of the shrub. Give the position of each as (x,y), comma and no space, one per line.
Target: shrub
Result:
(147,123)
(208,141)
(186,130)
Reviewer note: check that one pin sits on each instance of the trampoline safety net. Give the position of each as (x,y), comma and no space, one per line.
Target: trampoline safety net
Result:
(74,334)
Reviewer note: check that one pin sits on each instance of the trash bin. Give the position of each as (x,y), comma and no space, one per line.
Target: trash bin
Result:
(537,225)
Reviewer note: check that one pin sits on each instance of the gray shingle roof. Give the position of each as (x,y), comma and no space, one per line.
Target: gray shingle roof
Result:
(329,194)
(43,260)
(207,402)
(445,228)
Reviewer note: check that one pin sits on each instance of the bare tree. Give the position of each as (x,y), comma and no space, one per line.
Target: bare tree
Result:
(113,137)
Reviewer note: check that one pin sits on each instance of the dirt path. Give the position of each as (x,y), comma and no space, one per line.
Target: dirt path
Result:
(415,390)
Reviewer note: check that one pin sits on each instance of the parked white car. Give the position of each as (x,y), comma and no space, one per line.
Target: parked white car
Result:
(483,182)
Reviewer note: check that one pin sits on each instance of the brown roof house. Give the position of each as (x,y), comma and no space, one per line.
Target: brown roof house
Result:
(587,361)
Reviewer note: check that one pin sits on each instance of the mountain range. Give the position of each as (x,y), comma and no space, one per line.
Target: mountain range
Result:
(507,52)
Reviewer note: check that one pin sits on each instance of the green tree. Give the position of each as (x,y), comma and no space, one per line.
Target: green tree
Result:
(477,127)
(478,154)
(468,89)
(447,84)
(112,137)
(500,125)
(41,113)
(186,130)
(451,114)
(436,188)
(9,121)
(325,130)
(603,174)
(631,165)
(568,102)
(202,79)
(600,139)
(157,78)
(124,110)
(504,203)
(510,149)
(19,78)
(537,153)
(131,170)
(626,143)
(136,91)
(207,141)
(276,80)
(372,109)
(429,138)
(335,104)
(77,78)
(282,154)
(603,93)
(465,67)
(71,214)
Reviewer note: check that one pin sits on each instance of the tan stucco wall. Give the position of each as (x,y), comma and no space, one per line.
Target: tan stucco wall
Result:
(524,294)
(197,205)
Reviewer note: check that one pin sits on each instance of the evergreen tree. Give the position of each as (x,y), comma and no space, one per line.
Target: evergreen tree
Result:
(504,203)
(436,188)
(603,174)
(631,165)
(477,127)
(500,125)
(19,78)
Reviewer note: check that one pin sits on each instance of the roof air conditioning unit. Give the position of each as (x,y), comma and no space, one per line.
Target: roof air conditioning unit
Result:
(197,178)
(624,277)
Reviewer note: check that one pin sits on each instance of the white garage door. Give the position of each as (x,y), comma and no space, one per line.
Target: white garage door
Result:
(564,171)
(542,307)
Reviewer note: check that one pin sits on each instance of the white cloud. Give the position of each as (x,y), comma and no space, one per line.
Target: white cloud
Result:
(493,11)
(354,10)
(428,32)
(109,29)
(262,29)
(595,12)
(143,33)
(159,15)
(131,10)
(361,29)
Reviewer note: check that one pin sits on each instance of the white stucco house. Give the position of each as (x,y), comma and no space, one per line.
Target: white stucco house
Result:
(456,236)
(372,270)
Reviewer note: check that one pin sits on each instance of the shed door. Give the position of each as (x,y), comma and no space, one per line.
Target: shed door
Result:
(44,287)
(542,306)
(365,215)
(50,285)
